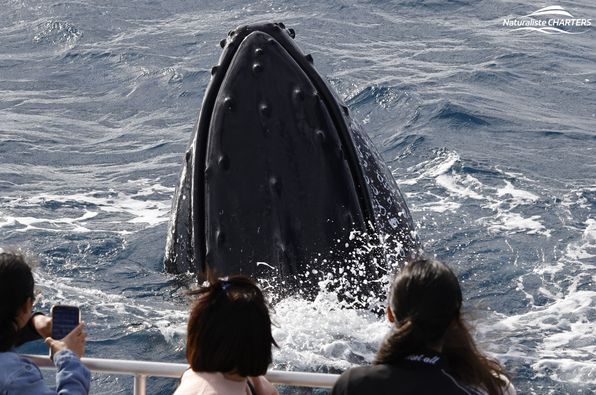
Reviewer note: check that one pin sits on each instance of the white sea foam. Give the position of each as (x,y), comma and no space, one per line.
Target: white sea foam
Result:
(556,336)
(319,333)
(439,206)
(587,246)
(441,164)
(440,170)
(548,336)
(566,370)
(76,225)
(457,188)
(147,207)
(509,222)
(519,195)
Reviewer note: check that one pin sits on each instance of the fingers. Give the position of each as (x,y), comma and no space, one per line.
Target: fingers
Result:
(77,333)
(76,340)
(54,346)
(78,330)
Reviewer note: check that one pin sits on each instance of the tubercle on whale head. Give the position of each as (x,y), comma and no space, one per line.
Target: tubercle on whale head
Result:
(243,30)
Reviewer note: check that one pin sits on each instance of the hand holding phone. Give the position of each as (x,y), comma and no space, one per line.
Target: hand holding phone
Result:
(74,341)
(64,320)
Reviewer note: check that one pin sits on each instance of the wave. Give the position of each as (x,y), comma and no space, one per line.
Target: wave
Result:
(460,115)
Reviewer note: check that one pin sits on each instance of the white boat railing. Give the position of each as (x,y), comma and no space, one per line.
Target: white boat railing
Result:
(143,369)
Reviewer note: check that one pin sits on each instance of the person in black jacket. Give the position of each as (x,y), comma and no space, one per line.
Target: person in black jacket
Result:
(429,350)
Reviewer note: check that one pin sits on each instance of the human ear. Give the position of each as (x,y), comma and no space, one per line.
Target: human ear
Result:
(390,316)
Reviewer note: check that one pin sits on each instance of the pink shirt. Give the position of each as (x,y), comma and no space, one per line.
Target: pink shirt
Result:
(203,383)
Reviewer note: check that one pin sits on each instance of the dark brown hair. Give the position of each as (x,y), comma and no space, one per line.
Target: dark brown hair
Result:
(229,328)
(425,300)
(16,286)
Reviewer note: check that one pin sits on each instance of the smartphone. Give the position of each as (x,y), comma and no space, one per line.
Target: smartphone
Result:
(64,320)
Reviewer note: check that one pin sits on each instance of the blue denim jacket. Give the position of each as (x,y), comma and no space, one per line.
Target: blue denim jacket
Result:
(18,375)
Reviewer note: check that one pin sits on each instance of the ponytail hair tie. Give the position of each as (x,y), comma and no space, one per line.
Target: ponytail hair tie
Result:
(224,284)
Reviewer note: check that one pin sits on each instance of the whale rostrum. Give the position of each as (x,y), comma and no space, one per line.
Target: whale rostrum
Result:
(279,180)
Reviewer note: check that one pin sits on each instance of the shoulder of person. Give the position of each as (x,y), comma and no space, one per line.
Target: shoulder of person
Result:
(10,361)
(263,386)
(358,376)
(188,383)
(18,372)
(8,357)
(368,371)
(192,377)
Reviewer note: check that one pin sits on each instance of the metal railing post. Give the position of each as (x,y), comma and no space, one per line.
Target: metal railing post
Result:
(140,386)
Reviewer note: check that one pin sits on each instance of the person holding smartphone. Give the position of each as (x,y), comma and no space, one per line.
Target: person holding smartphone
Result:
(18,375)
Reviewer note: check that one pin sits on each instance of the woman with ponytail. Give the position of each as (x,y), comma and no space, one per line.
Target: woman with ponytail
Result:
(429,349)
(18,375)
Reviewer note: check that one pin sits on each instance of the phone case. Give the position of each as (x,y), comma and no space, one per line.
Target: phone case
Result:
(64,320)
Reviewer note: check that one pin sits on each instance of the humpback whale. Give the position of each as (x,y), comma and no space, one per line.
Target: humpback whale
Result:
(279,181)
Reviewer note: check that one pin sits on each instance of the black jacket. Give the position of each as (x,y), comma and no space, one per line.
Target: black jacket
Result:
(418,374)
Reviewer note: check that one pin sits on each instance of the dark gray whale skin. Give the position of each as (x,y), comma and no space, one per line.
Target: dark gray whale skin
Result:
(278,176)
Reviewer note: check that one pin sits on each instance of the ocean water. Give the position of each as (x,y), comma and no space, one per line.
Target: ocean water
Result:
(489,131)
